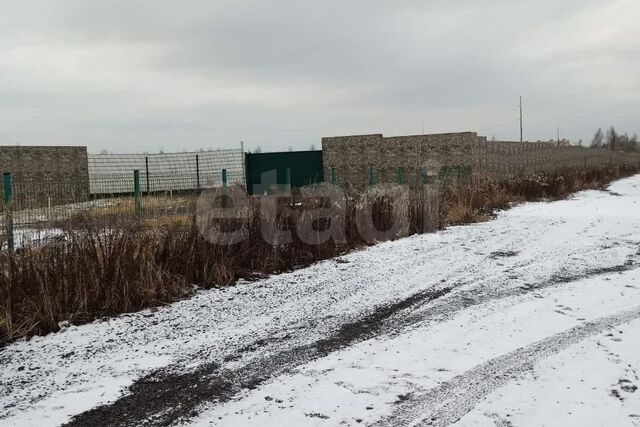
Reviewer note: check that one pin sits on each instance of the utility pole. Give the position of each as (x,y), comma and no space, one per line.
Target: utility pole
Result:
(558,135)
(521,133)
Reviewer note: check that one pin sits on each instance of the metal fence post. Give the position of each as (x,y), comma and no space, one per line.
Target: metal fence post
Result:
(6,187)
(138,196)
(400,175)
(288,178)
(224,178)
(372,176)
(146,167)
(198,171)
(244,167)
(334,176)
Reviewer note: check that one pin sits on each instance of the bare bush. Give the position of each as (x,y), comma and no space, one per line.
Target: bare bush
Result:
(105,270)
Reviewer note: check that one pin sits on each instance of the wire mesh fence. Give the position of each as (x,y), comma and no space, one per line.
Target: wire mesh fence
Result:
(36,211)
(40,210)
(166,172)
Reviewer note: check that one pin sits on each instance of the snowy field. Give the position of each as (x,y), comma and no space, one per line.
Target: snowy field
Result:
(530,319)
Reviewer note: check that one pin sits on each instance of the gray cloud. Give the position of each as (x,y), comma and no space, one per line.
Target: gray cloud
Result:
(145,75)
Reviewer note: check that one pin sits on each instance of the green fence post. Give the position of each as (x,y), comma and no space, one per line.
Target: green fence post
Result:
(138,196)
(198,171)
(146,169)
(288,183)
(372,176)
(424,175)
(334,176)
(400,175)
(225,200)
(6,187)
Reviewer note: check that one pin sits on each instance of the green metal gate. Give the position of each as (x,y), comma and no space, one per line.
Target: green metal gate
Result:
(289,169)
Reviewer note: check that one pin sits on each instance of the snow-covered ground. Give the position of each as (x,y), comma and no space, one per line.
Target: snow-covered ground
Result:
(530,319)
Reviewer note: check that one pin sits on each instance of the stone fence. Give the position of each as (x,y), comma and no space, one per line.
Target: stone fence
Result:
(355,161)
(45,175)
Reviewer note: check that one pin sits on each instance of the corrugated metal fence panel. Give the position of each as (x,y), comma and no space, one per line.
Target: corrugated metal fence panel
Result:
(265,170)
(166,171)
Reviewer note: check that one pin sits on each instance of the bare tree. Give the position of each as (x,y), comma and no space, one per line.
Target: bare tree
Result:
(598,139)
(313,147)
(633,143)
(622,142)
(258,149)
(612,138)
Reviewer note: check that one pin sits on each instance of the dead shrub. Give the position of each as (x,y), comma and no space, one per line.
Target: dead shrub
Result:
(104,268)
(473,200)
(89,275)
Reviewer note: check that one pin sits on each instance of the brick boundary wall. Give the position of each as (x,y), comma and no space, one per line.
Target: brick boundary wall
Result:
(415,155)
(43,174)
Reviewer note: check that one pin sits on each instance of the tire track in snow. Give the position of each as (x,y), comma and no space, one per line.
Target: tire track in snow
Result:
(449,402)
(165,397)
(169,395)
(479,295)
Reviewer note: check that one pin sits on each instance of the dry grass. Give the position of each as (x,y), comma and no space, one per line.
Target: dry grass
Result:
(476,198)
(473,200)
(104,269)
(124,266)
(156,209)
(90,275)
(170,220)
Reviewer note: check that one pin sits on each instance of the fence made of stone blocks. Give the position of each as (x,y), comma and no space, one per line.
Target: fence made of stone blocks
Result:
(353,160)
(54,174)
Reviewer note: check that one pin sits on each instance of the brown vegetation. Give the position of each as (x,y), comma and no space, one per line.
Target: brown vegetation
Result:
(102,271)
(474,199)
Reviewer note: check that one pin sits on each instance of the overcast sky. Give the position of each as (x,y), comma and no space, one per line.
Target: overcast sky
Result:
(129,76)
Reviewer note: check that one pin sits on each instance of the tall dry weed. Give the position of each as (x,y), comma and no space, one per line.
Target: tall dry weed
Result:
(104,268)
